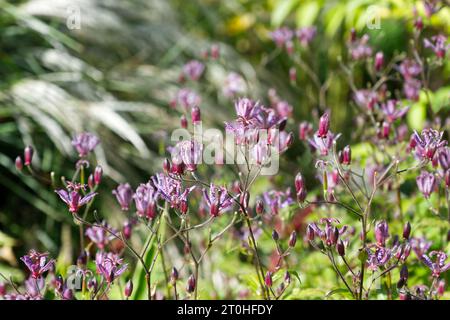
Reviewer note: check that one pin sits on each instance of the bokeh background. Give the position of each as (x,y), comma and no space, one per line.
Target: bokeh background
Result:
(116,75)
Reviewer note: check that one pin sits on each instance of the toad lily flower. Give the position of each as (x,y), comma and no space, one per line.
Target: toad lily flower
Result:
(330,234)
(99,236)
(110,266)
(391,111)
(124,195)
(37,263)
(426,182)
(381,233)
(217,199)
(438,45)
(74,200)
(437,266)
(145,198)
(427,143)
(84,143)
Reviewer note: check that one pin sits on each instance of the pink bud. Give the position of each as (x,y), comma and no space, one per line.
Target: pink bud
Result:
(91,181)
(292,74)
(127,230)
(447,178)
(268,279)
(129,288)
(324,126)
(28,155)
(259,206)
(310,234)
(183,122)
(195,115)
(418,24)
(379,61)
(293,239)
(215,51)
(347,156)
(191,284)
(19,163)
(98,173)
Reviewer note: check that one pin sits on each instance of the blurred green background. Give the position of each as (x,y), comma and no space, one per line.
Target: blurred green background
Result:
(116,75)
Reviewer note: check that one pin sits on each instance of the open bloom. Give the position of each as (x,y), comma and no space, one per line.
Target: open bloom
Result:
(409,69)
(37,263)
(329,234)
(190,152)
(234,84)
(323,145)
(277,200)
(99,236)
(217,199)
(359,48)
(437,266)
(84,143)
(146,198)
(427,143)
(438,45)
(420,246)
(171,191)
(247,110)
(110,266)
(124,195)
(73,199)
(282,36)
(377,257)
(193,69)
(411,89)
(391,111)
(426,182)
(306,35)
(366,98)
(187,98)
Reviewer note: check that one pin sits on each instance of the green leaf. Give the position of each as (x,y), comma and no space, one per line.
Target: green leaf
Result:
(282,10)
(417,114)
(307,13)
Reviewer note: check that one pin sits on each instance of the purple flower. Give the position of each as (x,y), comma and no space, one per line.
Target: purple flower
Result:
(84,143)
(427,183)
(438,45)
(282,36)
(193,69)
(99,236)
(217,199)
(427,143)
(324,125)
(323,145)
(247,110)
(391,111)
(110,266)
(444,158)
(124,195)
(437,266)
(409,69)
(430,7)
(306,35)
(377,257)
(233,85)
(73,199)
(260,152)
(411,89)
(381,233)
(37,263)
(146,198)
(329,234)
(276,200)
(366,99)
(359,48)
(187,98)
(190,152)
(171,191)
(420,246)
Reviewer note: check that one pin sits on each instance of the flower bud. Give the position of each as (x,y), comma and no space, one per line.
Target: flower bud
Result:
(184,207)
(183,122)
(244,199)
(404,272)
(404,296)
(324,125)
(441,288)
(293,239)
(127,230)
(215,51)
(292,74)
(346,156)
(385,130)
(2,289)
(191,284)
(98,173)
(259,206)
(82,258)
(310,233)
(304,129)
(275,235)
(418,24)
(379,61)
(92,284)
(28,155)
(334,237)
(19,163)
(90,181)
(268,279)
(381,233)
(287,277)
(352,35)
(195,115)
(300,188)
(447,178)
(174,275)
(340,248)
(128,288)
(406,231)
(166,166)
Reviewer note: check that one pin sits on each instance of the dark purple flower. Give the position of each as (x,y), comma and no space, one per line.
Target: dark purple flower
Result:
(145,199)
(329,234)
(426,182)
(37,263)
(306,35)
(124,195)
(438,45)
(84,143)
(391,110)
(98,235)
(110,266)
(73,199)
(193,69)
(191,284)
(437,266)
(217,199)
(377,257)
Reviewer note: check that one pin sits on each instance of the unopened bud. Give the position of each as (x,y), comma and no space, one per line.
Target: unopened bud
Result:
(98,173)
(346,156)
(128,288)
(324,125)
(292,74)
(275,235)
(183,122)
(268,279)
(19,164)
(293,239)
(28,155)
(406,231)
(174,275)
(90,181)
(191,284)
(259,206)
(379,61)
(127,230)
(195,115)
(310,233)
(340,248)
